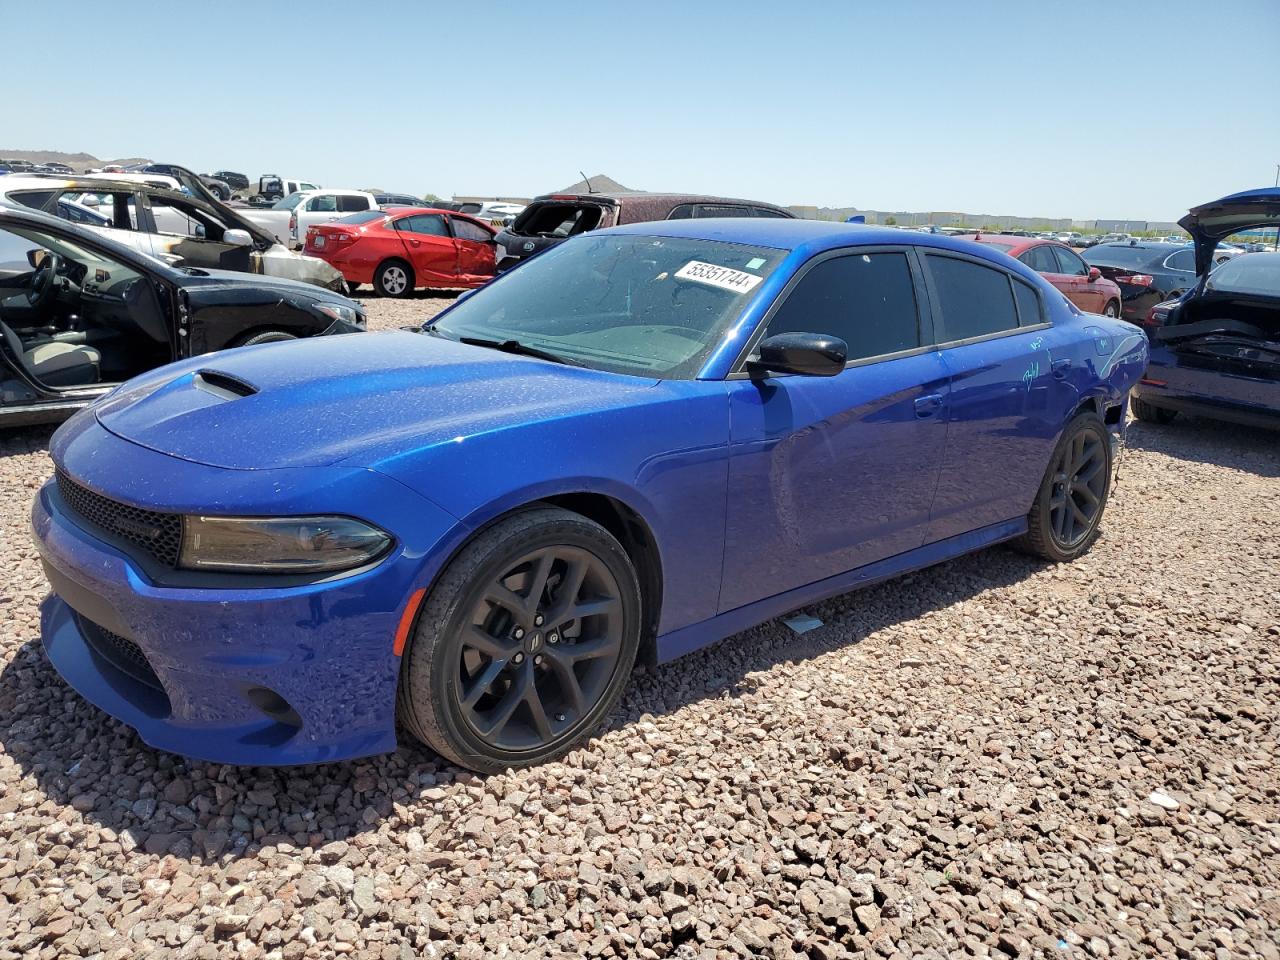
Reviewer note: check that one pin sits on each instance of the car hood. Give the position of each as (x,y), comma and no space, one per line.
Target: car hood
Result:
(209,280)
(1211,222)
(352,400)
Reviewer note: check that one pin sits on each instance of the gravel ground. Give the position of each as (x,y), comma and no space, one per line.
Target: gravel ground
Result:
(993,757)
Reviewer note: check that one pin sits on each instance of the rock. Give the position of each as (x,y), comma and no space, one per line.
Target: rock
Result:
(1163,800)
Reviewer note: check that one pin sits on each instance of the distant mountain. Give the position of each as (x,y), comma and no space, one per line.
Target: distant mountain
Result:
(78,162)
(599,184)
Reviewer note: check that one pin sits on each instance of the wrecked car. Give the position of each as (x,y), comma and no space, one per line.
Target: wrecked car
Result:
(80,313)
(185,228)
(1215,351)
(553,218)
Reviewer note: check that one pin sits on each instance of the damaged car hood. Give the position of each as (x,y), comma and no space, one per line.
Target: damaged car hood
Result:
(356,400)
(1211,222)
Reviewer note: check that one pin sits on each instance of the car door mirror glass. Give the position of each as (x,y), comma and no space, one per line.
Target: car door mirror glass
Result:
(804,354)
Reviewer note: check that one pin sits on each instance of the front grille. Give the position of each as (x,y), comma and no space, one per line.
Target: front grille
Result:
(121,653)
(158,534)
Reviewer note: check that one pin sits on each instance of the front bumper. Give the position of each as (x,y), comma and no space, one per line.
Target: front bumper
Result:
(246,674)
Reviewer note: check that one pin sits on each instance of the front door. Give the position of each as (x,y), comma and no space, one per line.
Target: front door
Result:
(830,473)
(430,247)
(476,249)
(1084,292)
(1014,379)
(183,230)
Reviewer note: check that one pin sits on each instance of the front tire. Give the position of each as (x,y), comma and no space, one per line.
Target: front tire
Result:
(524,644)
(393,278)
(1112,310)
(1149,413)
(1064,519)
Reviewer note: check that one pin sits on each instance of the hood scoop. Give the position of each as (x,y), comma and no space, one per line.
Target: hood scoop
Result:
(222,385)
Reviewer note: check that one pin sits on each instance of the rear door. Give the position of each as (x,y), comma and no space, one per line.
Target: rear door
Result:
(1040,258)
(430,248)
(1013,382)
(476,249)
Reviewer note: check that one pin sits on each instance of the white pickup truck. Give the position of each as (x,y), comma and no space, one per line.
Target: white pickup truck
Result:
(289,217)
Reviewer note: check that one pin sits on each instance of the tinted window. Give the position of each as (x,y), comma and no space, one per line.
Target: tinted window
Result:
(36,199)
(1182,260)
(1123,255)
(324,203)
(349,204)
(721,210)
(1029,310)
(974,300)
(1068,262)
(867,300)
(766,212)
(682,212)
(432,224)
(466,230)
(1040,259)
(1257,273)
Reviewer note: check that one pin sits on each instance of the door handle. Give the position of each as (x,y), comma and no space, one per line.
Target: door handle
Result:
(927,406)
(413,243)
(1060,368)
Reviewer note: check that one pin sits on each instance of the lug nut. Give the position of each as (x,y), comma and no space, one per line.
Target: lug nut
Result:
(553,638)
(537,621)
(518,633)
(537,661)
(518,658)
(559,718)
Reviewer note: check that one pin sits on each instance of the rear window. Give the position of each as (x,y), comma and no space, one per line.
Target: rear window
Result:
(36,199)
(557,220)
(367,217)
(348,203)
(1122,255)
(975,300)
(1256,274)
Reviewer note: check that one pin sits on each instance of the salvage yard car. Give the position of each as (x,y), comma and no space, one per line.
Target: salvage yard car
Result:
(634,445)
(184,228)
(550,219)
(406,248)
(1146,272)
(1215,351)
(1083,285)
(80,313)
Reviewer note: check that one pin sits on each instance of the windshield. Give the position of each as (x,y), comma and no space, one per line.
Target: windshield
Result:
(1255,274)
(287,203)
(649,306)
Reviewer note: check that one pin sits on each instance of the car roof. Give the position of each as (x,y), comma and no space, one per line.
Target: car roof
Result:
(1015,245)
(813,236)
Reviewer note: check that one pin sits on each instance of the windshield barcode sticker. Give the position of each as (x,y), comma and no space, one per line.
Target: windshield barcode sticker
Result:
(722,277)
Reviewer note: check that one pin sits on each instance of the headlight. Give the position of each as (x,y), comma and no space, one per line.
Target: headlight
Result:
(279,544)
(336,311)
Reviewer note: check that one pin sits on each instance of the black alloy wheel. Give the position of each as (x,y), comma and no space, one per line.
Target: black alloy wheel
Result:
(1068,509)
(524,644)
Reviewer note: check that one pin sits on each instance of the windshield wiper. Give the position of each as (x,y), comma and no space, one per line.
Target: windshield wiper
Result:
(516,347)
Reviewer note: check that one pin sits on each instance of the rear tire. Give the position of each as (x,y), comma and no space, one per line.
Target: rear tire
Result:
(1148,413)
(393,278)
(500,673)
(1112,309)
(264,336)
(1067,512)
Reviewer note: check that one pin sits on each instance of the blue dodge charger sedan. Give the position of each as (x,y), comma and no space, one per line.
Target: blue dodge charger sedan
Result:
(640,442)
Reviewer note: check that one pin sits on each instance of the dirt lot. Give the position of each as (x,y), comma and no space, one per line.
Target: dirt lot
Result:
(993,757)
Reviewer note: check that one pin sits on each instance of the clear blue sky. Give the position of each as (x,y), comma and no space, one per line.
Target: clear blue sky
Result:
(1085,109)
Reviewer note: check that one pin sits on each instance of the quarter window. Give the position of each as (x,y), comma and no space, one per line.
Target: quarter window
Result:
(868,300)
(1184,260)
(974,300)
(1029,310)
(766,212)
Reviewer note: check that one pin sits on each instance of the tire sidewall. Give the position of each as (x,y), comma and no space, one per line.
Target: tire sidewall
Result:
(1042,515)
(266,336)
(431,661)
(381,288)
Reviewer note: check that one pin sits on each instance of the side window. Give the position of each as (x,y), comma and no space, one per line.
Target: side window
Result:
(1068,262)
(305,186)
(868,300)
(1040,259)
(720,210)
(974,300)
(324,203)
(682,212)
(766,212)
(1029,310)
(1182,260)
(352,204)
(466,230)
(430,224)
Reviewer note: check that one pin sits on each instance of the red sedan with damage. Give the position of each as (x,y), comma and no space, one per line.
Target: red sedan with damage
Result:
(1083,285)
(406,248)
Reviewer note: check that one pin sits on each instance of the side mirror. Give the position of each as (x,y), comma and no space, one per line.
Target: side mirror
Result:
(806,354)
(1094,274)
(237,238)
